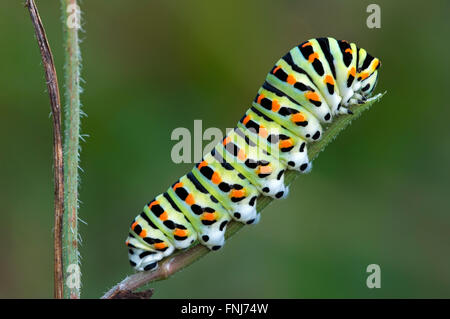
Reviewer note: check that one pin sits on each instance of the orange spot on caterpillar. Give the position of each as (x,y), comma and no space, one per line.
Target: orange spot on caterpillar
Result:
(226,140)
(160,245)
(275,106)
(298,117)
(286,143)
(177,185)
(364,75)
(246,119)
(180,232)
(127,243)
(153,204)
(164,216)
(348,50)
(134,225)
(202,163)
(306,44)
(260,97)
(237,193)
(216,178)
(291,79)
(264,169)
(352,72)
(375,64)
(313,56)
(329,80)
(143,233)
(208,216)
(312,96)
(276,69)
(190,200)
(263,132)
(241,155)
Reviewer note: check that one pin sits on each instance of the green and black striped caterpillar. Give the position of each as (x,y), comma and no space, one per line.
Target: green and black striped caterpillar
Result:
(314,82)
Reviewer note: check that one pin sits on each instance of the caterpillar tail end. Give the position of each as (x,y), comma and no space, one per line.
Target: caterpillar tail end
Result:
(141,260)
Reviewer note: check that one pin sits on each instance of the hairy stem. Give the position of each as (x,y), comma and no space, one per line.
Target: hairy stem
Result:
(58,164)
(171,264)
(71,21)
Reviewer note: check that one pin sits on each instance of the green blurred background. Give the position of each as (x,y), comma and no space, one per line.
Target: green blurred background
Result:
(379,194)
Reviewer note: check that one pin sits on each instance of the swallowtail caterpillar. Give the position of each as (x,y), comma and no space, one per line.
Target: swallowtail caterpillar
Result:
(312,84)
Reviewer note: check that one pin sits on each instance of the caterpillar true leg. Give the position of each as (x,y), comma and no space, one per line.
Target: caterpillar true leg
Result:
(313,83)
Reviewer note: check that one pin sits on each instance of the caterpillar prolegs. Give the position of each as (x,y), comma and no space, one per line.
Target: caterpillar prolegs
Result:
(313,83)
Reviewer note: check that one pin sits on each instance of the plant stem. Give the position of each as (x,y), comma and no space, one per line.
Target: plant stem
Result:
(171,264)
(58,164)
(71,21)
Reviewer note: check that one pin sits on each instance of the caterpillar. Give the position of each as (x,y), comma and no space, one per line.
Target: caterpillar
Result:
(308,87)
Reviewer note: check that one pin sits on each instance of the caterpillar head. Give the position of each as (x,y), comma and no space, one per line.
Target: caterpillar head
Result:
(368,85)
(367,73)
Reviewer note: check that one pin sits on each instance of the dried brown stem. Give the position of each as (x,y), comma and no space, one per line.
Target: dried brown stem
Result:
(55,103)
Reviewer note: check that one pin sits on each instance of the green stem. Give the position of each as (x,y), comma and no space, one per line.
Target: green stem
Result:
(71,23)
(174,263)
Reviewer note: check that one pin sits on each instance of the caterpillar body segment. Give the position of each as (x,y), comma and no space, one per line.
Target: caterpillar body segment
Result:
(290,115)
(256,164)
(229,187)
(293,82)
(281,143)
(314,56)
(167,217)
(344,61)
(306,89)
(208,217)
(146,244)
